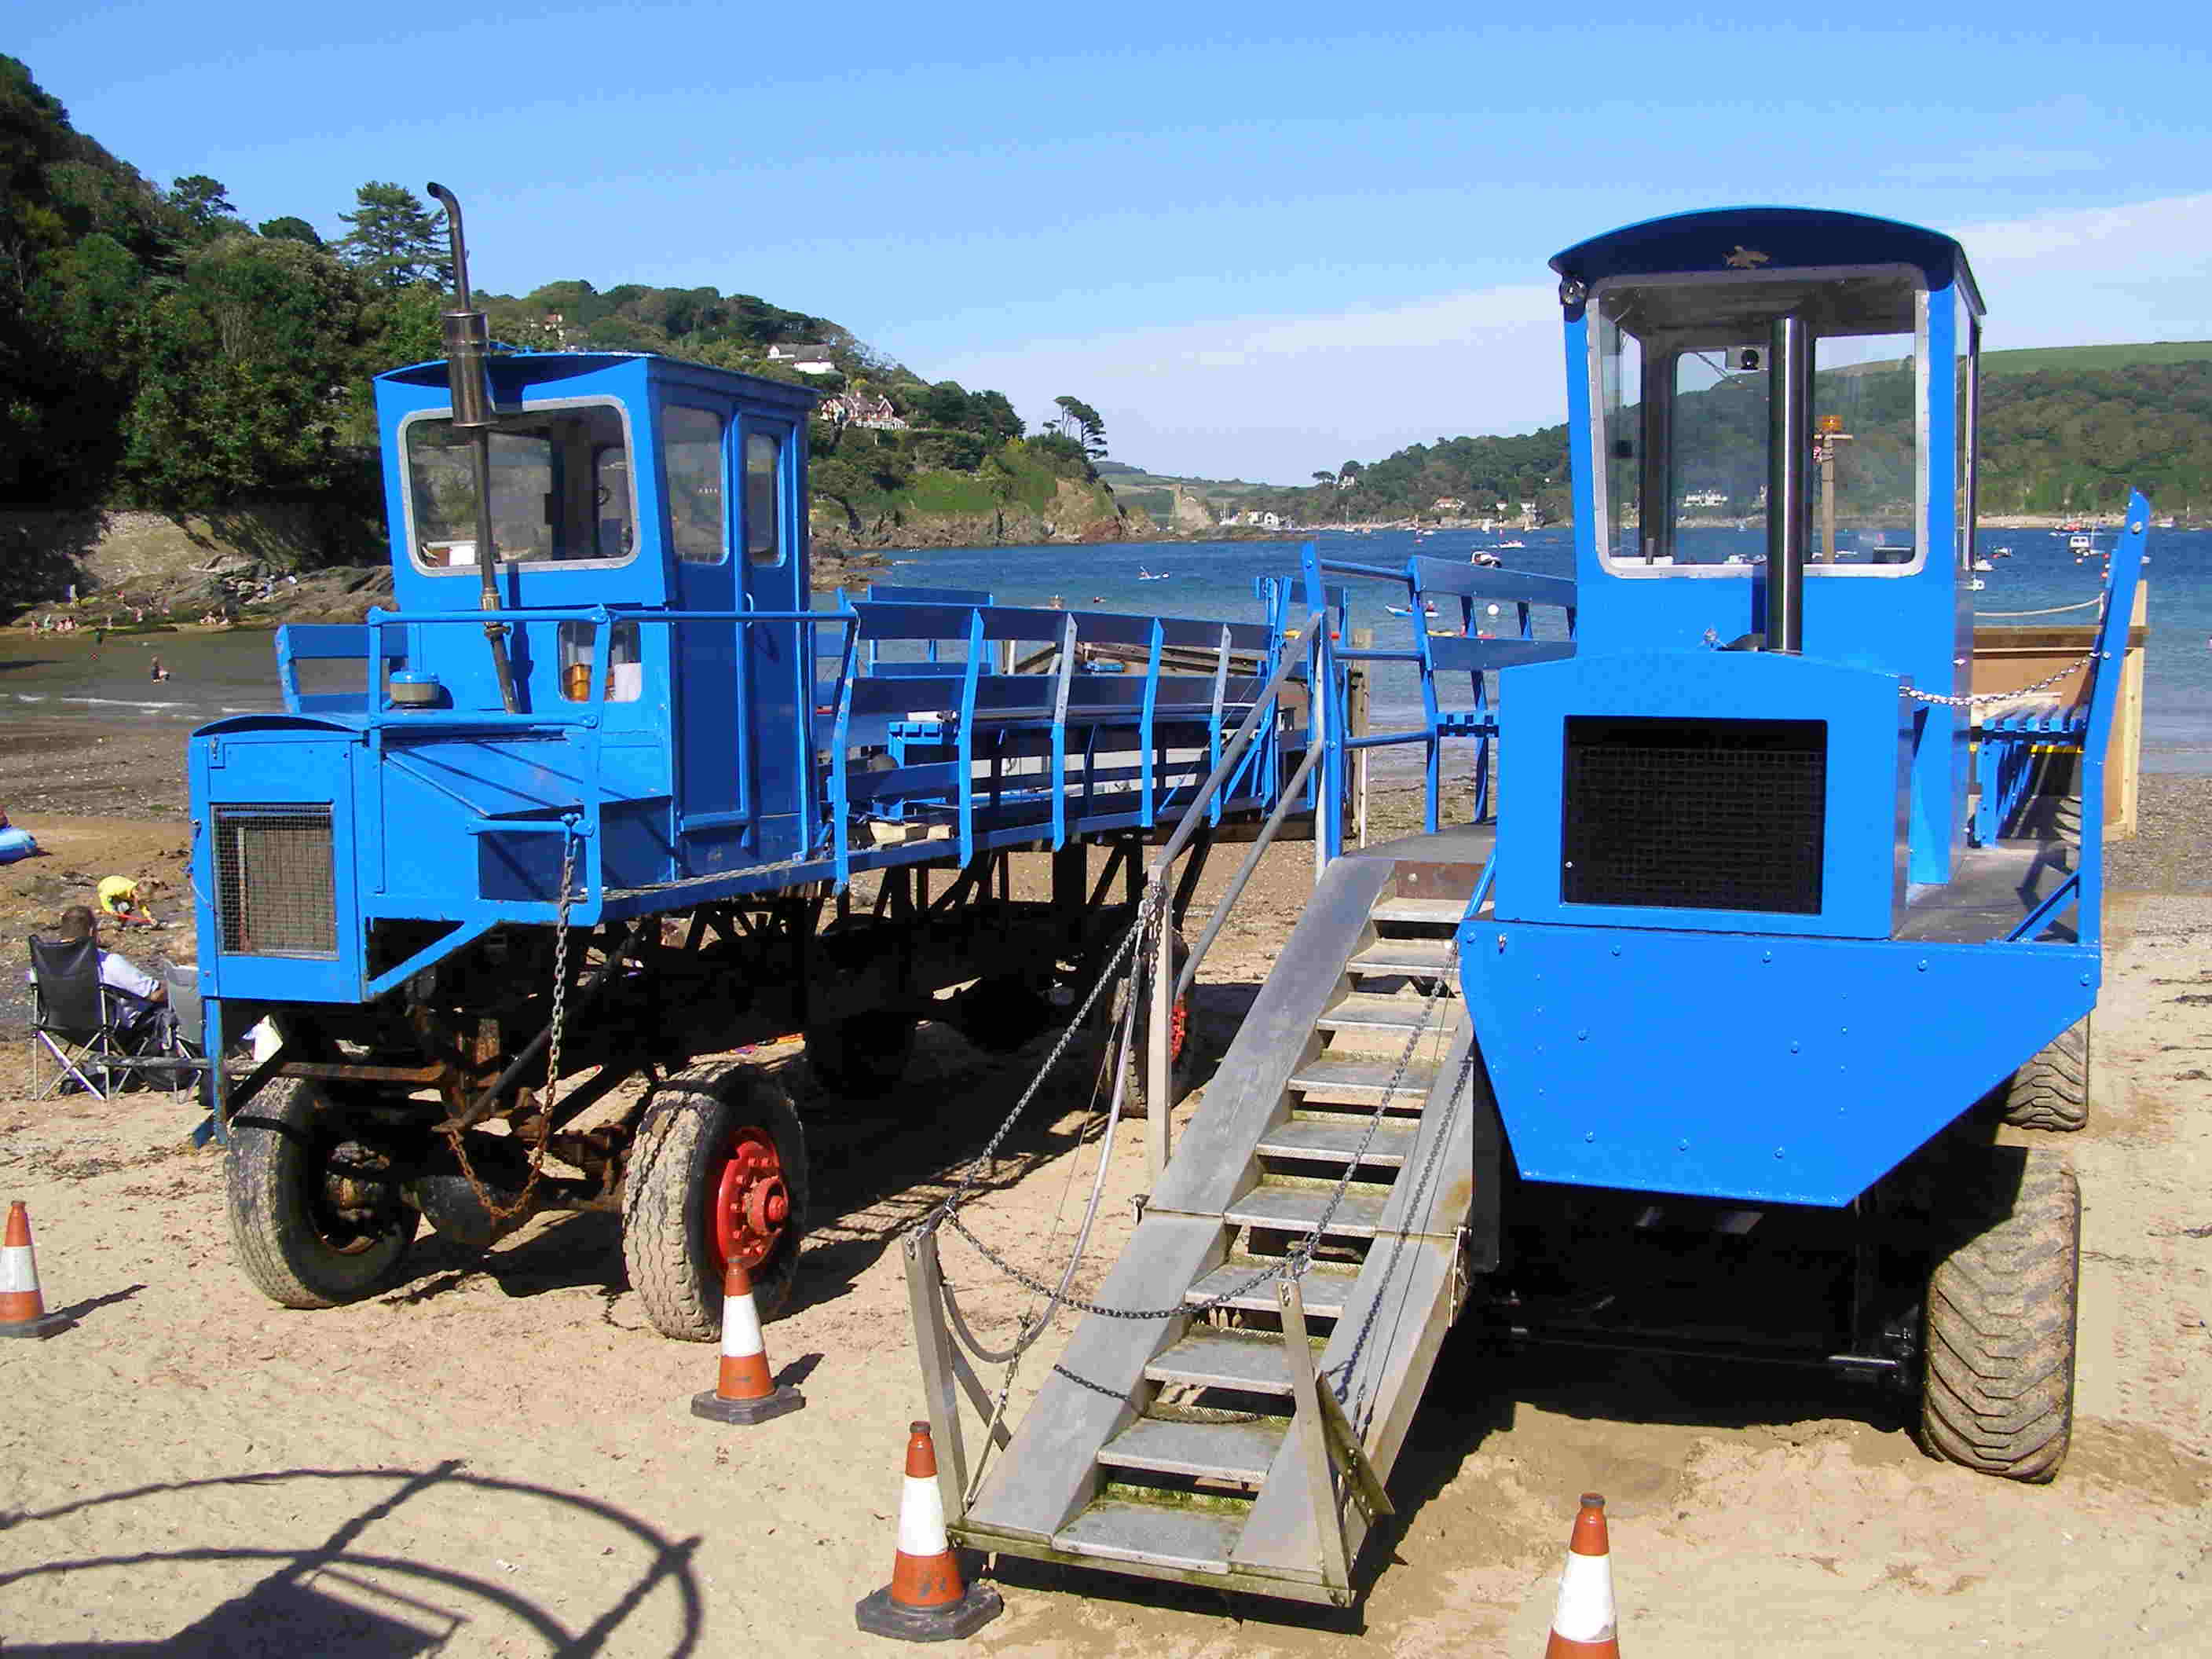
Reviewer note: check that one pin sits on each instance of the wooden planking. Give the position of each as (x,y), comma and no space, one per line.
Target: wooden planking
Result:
(1238,1452)
(1327,1287)
(1335,1142)
(1047,1474)
(1296,1209)
(1362,1078)
(1224,1359)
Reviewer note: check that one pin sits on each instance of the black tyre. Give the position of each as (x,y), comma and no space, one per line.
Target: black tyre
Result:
(2052,1092)
(1135,1098)
(862,1056)
(1002,1012)
(316,1218)
(719,1165)
(1997,1392)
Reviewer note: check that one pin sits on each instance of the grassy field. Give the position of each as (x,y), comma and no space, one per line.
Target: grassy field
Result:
(2036,359)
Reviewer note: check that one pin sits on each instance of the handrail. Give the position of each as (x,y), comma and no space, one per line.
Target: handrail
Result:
(1156,1065)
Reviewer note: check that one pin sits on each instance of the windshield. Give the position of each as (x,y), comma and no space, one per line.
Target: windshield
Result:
(1683,374)
(560,488)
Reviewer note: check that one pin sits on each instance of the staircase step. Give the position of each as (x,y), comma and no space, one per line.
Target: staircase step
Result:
(1295,1209)
(1435,912)
(1191,1536)
(1362,1077)
(1326,1288)
(1224,1359)
(1241,1452)
(1364,1011)
(1426,958)
(1335,1142)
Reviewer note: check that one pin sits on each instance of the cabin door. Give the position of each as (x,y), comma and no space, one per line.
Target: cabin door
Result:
(775,663)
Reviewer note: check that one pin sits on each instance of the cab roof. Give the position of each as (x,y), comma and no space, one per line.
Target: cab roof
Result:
(1766,238)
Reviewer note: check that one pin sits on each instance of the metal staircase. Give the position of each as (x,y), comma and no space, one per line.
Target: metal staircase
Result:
(1242,1441)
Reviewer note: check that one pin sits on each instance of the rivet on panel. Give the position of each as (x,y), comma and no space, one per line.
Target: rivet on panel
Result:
(1589,1134)
(1793,1048)
(1583,1035)
(1777,1151)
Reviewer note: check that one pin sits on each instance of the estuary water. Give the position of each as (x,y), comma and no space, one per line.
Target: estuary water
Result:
(64,676)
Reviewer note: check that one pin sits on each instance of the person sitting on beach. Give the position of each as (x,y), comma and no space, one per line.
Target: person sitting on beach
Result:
(139,997)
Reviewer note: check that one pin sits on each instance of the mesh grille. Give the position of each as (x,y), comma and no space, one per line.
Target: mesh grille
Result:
(1694,814)
(273,871)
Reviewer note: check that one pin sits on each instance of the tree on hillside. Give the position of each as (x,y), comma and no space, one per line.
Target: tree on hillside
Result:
(205,204)
(395,241)
(289,229)
(1078,420)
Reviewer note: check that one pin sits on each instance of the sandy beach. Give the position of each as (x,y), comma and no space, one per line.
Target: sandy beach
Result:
(495,1458)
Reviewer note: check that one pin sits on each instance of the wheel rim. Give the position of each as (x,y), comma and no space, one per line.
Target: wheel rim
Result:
(351,1205)
(752,1205)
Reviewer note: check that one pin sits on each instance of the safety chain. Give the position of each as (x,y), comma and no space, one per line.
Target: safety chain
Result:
(1300,1255)
(1976,700)
(497,1212)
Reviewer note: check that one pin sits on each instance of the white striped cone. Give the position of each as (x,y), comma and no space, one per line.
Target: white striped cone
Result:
(1582,1626)
(22,1304)
(744,1392)
(926,1601)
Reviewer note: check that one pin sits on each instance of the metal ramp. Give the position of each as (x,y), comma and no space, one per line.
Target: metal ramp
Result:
(1215,1446)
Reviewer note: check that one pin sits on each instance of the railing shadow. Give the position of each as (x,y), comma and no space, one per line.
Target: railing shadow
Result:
(335,1598)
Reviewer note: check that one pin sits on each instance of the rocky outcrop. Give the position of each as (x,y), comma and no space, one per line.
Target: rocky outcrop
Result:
(1079,512)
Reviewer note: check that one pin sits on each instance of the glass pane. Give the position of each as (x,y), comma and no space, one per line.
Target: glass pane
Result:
(625,672)
(696,520)
(1967,342)
(1620,370)
(560,488)
(1865,472)
(1717,490)
(764,522)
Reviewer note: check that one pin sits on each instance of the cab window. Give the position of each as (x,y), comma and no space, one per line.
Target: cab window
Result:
(697,520)
(561,489)
(1682,373)
(763,515)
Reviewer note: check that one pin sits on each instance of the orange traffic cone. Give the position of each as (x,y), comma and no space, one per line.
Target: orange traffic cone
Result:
(1583,1624)
(744,1392)
(925,1602)
(22,1307)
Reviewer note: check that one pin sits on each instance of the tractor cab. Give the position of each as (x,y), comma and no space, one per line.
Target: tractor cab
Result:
(1772,416)
(644,487)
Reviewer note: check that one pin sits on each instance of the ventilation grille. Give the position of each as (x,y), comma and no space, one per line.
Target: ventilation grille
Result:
(274,881)
(1694,814)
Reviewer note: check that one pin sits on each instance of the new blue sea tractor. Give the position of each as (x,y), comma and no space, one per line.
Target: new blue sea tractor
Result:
(1700,1037)
(606,791)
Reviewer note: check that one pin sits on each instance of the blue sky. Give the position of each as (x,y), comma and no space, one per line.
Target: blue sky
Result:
(1258,240)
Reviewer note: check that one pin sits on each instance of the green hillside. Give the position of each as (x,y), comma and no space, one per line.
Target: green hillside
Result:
(2036,359)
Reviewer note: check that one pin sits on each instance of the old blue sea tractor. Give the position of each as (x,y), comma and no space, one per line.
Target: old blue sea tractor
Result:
(1701,1037)
(606,792)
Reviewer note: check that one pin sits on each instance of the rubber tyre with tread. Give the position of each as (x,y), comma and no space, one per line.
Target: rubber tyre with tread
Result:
(2052,1092)
(1181,1061)
(675,1165)
(295,1251)
(1997,1389)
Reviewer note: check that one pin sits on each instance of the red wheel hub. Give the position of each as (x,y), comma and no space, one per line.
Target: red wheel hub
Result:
(1178,1027)
(752,1205)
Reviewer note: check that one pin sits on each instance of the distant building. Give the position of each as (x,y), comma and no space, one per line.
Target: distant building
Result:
(1704,498)
(861,409)
(807,359)
(1448,504)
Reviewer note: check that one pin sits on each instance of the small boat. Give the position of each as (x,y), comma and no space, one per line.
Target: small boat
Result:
(1428,609)
(1484,558)
(1977,585)
(1513,543)
(1984,564)
(1144,575)
(1736,558)
(2078,545)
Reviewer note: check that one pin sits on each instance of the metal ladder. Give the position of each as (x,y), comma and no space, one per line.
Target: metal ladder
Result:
(1244,1444)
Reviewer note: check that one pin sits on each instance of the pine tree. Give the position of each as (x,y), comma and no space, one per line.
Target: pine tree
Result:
(395,242)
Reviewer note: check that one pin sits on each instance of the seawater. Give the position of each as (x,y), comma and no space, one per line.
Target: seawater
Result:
(68,675)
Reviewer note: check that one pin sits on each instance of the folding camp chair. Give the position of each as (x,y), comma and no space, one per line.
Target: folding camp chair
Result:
(96,1035)
(182,1027)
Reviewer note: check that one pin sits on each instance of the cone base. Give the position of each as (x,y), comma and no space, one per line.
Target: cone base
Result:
(746,1413)
(37,1329)
(879,1615)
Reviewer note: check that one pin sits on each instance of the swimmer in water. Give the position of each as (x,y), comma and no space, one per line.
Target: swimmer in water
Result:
(159,672)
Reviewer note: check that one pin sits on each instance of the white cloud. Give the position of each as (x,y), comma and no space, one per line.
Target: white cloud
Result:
(1278,398)
(2135,272)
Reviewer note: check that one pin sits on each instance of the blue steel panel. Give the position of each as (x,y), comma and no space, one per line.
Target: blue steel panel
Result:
(1860,709)
(1762,1069)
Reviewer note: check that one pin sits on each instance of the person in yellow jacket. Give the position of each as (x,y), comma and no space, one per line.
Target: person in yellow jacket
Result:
(118,897)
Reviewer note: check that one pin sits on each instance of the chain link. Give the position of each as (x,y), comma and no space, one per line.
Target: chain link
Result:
(1977,700)
(496,1210)
(1300,1255)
